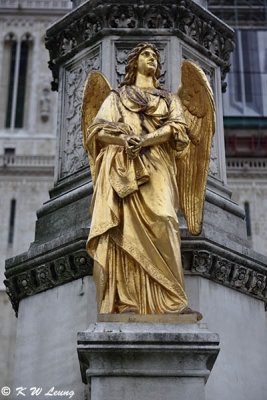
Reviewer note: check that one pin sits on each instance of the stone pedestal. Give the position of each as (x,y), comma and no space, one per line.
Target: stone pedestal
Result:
(146,361)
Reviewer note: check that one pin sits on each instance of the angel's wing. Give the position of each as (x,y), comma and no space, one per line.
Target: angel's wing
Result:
(197,99)
(96,89)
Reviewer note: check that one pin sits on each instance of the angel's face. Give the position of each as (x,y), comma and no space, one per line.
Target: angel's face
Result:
(147,62)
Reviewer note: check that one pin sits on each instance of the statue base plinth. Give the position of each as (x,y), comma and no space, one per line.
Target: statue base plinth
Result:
(191,318)
(146,361)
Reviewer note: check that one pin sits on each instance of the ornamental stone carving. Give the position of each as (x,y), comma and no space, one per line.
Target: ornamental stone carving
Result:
(185,19)
(213,166)
(222,269)
(211,263)
(74,157)
(230,272)
(202,262)
(48,275)
(122,17)
(121,52)
(258,284)
(240,276)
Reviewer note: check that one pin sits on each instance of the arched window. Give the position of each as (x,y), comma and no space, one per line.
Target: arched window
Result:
(19,55)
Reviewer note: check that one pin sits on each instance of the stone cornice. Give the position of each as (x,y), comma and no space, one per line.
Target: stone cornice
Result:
(231,269)
(43,269)
(27,276)
(95,19)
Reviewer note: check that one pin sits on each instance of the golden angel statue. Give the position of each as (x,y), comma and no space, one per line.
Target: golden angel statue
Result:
(149,153)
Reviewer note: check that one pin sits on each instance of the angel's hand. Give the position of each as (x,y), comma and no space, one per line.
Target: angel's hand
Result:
(133,145)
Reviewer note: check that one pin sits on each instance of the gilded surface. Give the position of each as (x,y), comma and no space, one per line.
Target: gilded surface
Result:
(141,141)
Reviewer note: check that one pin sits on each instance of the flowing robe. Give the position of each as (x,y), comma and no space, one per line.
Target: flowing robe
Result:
(134,237)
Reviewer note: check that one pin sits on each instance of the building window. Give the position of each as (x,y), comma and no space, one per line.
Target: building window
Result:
(12,221)
(13,51)
(19,55)
(9,156)
(9,151)
(247,84)
(248,221)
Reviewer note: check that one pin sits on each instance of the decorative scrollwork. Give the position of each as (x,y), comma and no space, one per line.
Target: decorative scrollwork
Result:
(74,157)
(186,20)
(211,264)
(48,275)
(230,273)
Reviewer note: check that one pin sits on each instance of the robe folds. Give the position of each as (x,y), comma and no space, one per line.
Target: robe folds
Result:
(134,237)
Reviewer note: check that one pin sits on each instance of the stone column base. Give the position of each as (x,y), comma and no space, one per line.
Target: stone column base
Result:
(148,361)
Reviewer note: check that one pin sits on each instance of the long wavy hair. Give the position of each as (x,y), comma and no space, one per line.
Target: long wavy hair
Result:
(131,64)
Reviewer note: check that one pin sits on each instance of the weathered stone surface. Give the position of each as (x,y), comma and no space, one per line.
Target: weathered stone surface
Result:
(7,340)
(49,265)
(48,323)
(117,357)
(47,328)
(241,323)
(187,20)
(71,151)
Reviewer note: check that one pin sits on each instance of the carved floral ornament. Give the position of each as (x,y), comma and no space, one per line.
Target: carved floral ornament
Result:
(185,19)
(210,264)
(74,157)
(48,275)
(230,273)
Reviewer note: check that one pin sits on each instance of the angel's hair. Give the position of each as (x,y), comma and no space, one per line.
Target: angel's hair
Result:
(131,64)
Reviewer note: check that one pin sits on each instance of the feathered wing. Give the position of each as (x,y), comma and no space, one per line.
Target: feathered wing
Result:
(192,169)
(96,90)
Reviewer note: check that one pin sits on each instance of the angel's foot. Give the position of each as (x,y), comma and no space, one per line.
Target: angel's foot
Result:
(188,310)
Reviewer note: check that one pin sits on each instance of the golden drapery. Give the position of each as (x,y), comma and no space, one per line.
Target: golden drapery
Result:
(134,237)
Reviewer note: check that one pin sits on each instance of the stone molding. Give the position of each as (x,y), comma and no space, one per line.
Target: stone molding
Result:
(95,19)
(40,275)
(225,267)
(28,276)
(146,350)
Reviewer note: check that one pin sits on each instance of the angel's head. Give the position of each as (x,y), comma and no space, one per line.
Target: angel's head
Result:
(143,53)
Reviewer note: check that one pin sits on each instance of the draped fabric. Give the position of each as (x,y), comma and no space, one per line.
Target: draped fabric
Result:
(134,237)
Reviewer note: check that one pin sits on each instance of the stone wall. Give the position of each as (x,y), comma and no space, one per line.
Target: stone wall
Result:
(239,370)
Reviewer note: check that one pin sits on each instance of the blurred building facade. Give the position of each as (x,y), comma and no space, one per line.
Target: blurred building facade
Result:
(245,112)
(28,127)
(27,139)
